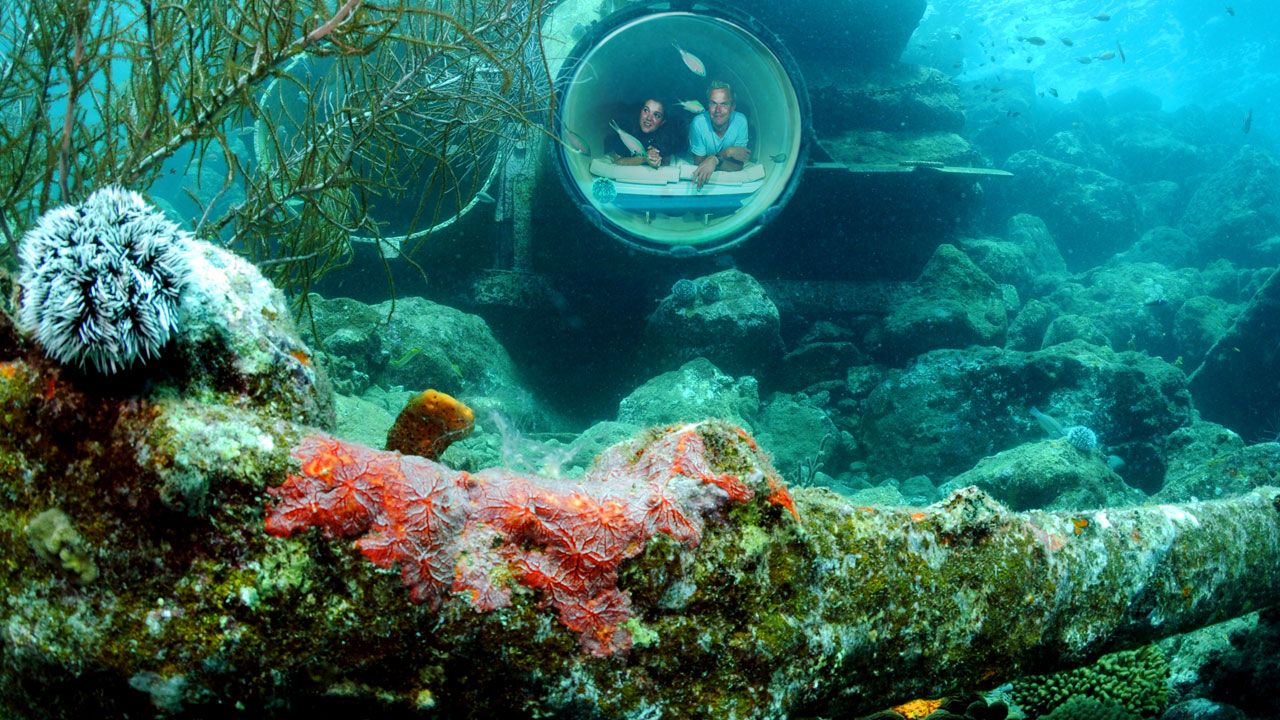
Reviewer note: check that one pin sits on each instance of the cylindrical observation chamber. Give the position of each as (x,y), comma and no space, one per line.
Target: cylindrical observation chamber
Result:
(673,52)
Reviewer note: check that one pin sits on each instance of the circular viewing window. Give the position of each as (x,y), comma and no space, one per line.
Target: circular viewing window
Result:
(674,57)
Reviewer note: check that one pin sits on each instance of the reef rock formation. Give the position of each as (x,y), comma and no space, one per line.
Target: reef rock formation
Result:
(677,578)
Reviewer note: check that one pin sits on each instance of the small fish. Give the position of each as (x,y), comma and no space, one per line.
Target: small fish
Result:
(406,357)
(1032,40)
(1231,11)
(1068,42)
(956,36)
(1248,121)
(1084,59)
(958,64)
(627,139)
(1156,302)
(1121,51)
(1102,17)
(996,88)
(692,106)
(1053,92)
(691,61)
(1106,55)
(780,157)
(484,197)
(575,142)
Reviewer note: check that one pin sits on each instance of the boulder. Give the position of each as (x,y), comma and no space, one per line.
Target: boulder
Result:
(958,306)
(1092,214)
(696,391)
(800,437)
(1068,328)
(422,344)
(1161,202)
(1047,475)
(1030,233)
(1236,208)
(892,97)
(1249,349)
(736,326)
(1078,148)
(1027,329)
(1162,244)
(1150,149)
(954,407)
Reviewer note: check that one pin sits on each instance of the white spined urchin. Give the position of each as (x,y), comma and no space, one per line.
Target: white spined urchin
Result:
(1081,438)
(101,280)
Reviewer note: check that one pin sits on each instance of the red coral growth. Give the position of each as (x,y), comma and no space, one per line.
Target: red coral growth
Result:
(451,532)
(340,489)
(779,495)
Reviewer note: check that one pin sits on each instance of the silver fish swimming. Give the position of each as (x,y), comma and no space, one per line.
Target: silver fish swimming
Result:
(627,139)
(692,106)
(691,61)
(575,142)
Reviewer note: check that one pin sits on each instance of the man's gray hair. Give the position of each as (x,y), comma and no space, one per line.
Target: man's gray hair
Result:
(721,85)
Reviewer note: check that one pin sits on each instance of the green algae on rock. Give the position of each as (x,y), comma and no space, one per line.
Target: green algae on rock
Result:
(854,608)
(55,541)
(768,617)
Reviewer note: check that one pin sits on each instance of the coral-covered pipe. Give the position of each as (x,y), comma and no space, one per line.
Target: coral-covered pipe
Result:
(966,594)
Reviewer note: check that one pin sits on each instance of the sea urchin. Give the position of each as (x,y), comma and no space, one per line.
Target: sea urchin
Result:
(101,280)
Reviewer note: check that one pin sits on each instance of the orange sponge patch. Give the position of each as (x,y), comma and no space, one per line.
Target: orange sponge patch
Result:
(430,422)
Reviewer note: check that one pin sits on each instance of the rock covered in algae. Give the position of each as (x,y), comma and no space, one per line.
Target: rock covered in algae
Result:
(845,610)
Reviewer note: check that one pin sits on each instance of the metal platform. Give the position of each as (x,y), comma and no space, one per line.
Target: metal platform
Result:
(822,159)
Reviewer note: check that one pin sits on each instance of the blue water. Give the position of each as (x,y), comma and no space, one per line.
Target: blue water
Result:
(1183,51)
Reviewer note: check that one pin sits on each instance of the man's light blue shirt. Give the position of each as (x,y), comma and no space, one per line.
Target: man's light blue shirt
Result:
(704,141)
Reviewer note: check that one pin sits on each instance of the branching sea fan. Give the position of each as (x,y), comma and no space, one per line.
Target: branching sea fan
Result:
(101,280)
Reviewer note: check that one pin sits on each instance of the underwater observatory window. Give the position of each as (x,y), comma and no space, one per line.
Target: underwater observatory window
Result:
(631,56)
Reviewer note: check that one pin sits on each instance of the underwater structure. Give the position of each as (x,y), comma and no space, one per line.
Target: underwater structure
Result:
(830,141)
(185,534)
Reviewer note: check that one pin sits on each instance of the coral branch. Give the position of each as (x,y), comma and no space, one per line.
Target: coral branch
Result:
(338,18)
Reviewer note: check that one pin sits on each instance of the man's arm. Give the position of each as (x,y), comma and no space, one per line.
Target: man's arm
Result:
(733,157)
(736,153)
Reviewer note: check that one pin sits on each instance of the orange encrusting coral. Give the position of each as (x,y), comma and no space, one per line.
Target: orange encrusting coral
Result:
(917,708)
(470,534)
(430,422)
(779,495)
